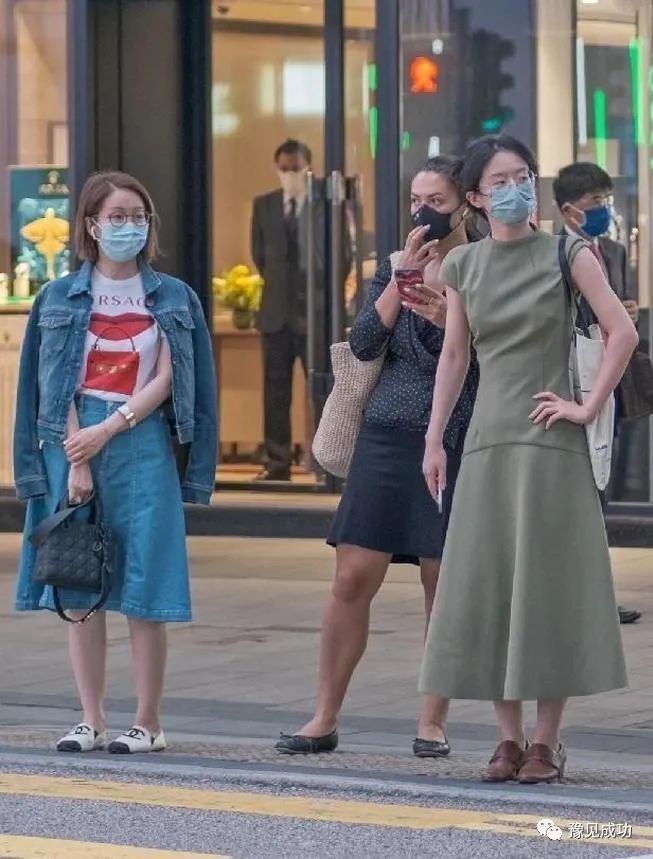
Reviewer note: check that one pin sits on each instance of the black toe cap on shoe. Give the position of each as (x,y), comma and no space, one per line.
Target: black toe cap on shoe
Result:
(69,746)
(298,744)
(431,748)
(116,748)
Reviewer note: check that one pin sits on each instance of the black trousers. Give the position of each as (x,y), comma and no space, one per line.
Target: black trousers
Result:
(280,351)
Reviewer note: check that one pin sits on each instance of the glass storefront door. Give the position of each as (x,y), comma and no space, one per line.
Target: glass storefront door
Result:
(283,282)
(613,95)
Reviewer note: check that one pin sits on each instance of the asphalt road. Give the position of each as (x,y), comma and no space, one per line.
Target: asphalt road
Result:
(53,807)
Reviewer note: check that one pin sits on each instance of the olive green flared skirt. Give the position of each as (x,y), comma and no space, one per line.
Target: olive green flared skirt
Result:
(525,606)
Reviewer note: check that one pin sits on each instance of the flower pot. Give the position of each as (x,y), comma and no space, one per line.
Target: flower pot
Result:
(243,319)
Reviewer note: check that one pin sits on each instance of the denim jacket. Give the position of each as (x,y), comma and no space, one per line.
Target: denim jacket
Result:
(52,356)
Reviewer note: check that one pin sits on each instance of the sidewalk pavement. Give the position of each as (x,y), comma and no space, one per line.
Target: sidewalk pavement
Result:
(246,669)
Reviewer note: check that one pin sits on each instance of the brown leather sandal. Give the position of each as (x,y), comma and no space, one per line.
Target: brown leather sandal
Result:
(505,762)
(543,764)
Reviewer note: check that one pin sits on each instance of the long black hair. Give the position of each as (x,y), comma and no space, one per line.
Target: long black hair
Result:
(480,152)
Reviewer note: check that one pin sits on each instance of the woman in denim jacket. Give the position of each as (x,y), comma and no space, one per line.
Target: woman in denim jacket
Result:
(115,358)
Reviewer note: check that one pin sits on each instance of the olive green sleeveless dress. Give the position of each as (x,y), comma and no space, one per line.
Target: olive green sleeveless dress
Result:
(525,606)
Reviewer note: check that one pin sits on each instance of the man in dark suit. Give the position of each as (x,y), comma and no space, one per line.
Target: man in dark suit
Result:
(583,194)
(279,251)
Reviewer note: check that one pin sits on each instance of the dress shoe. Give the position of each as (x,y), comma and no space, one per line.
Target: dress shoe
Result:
(431,748)
(270,475)
(505,762)
(543,764)
(298,744)
(628,615)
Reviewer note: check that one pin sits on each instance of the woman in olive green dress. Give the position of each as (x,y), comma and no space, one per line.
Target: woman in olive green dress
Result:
(525,607)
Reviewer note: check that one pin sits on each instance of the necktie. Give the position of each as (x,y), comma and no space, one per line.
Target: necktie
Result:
(291,231)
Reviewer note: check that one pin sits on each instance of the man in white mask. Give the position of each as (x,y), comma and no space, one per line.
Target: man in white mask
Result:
(278,223)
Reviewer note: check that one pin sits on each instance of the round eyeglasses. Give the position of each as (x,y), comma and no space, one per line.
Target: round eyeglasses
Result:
(499,182)
(119,219)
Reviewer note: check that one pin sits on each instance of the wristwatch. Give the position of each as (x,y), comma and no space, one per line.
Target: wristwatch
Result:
(128,415)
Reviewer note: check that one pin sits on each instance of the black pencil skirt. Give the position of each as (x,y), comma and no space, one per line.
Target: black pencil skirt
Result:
(386,505)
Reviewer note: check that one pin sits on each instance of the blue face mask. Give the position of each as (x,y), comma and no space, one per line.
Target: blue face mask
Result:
(596,221)
(121,244)
(513,204)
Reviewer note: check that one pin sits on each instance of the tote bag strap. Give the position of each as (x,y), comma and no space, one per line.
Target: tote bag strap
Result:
(582,315)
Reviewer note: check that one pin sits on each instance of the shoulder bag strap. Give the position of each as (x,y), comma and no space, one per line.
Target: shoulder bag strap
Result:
(104,596)
(581,313)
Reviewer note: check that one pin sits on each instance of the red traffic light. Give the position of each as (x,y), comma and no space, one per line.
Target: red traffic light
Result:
(424,73)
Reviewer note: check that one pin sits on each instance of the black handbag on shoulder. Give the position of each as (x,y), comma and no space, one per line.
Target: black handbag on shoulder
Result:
(75,555)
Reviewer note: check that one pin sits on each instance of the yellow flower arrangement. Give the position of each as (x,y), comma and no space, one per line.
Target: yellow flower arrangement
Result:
(239,288)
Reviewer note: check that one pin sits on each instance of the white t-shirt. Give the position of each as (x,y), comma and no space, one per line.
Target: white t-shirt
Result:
(122,342)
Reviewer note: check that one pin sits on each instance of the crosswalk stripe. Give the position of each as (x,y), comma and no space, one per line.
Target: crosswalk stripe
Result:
(22,847)
(306,808)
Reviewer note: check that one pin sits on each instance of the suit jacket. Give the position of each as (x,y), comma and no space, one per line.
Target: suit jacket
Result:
(615,257)
(285,282)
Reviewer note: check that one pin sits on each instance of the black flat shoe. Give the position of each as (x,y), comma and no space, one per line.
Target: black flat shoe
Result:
(431,748)
(298,744)
(629,615)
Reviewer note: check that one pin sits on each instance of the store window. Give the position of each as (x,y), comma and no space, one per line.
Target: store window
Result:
(268,87)
(466,70)
(34,233)
(612,121)
(33,145)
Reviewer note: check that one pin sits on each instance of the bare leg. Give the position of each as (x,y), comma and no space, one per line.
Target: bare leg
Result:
(87,646)
(511,722)
(430,573)
(434,709)
(345,628)
(149,651)
(549,717)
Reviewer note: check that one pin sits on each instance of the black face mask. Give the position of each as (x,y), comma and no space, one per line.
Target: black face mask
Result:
(439,225)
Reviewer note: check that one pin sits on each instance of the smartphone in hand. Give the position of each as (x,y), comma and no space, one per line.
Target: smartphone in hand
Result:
(406,278)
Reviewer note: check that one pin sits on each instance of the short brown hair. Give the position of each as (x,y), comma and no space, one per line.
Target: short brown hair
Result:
(95,191)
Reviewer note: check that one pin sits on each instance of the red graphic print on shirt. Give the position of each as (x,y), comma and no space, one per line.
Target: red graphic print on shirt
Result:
(115,370)
(115,327)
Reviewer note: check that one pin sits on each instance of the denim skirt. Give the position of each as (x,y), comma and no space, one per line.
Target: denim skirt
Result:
(136,480)
(386,505)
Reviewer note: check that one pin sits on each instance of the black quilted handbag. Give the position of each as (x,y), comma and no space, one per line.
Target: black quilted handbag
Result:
(75,555)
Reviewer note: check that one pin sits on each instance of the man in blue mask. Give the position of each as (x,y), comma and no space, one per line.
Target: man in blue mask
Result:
(583,194)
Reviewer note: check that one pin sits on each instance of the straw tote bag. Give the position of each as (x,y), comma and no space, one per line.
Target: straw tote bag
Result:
(342,416)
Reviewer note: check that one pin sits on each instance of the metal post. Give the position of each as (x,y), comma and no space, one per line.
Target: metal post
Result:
(77,70)
(337,272)
(195,21)
(311,281)
(387,178)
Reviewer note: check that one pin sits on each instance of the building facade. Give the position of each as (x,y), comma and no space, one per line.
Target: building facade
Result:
(194,96)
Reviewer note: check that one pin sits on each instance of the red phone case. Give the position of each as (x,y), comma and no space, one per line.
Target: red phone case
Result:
(405,278)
